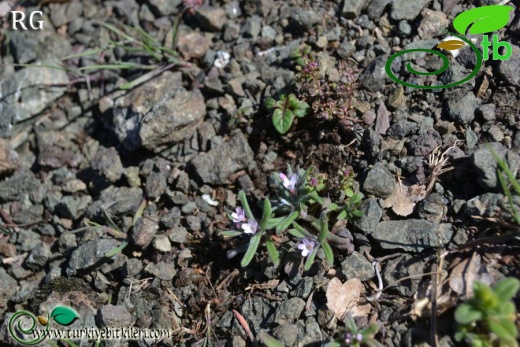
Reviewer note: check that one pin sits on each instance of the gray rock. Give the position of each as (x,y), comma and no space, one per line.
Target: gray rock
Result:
(24,46)
(27,290)
(357,266)
(487,111)
(172,218)
(89,254)
(183,182)
(405,28)
(194,223)
(462,107)
(425,143)
(413,235)
(304,19)
(8,158)
(114,316)
(304,287)
(509,68)
(260,7)
(353,8)
(162,244)
(485,205)
(18,185)
(372,214)
(286,334)
(211,18)
(432,208)
(289,311)
(38,256)
(163,271)
(215,166)
(486,164)
(72,206)
(471,138)
(121,201)
(379,182)
(164,7)
(107,164)
(178,235)
(8,287)
(252,27)
(27,240)
(376,8)
(432,24)
(67,241)
(189,208)
(374,76)
(143,232)
(177,198)
(400,267)
(23,96)
(132,267)
(155,114)
(346,49)
(156,184)
(402,9)
(312,332)
(256,311)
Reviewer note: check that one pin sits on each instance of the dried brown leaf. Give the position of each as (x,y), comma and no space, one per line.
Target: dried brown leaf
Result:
(403,198)
(345,297)
(451,45)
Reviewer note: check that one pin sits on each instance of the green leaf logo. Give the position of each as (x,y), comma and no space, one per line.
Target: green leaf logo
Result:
(64,315)
(485,19)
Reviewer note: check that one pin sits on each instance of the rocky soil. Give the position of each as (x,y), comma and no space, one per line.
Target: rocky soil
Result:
(76,146)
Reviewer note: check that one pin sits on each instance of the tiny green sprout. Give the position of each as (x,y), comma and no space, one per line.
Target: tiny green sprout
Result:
(355,337)
(488,319)
(285,110)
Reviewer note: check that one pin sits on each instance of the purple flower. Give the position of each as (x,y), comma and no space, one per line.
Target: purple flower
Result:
(250,227)
(306,246)
(313,181)
(239,215)
(289,184)
(359,337)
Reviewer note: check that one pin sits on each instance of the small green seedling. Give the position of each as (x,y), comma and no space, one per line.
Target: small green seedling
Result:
(356,337)
(285,110)
(488,319)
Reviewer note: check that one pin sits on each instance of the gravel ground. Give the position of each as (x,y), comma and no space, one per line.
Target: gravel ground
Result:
(76,144)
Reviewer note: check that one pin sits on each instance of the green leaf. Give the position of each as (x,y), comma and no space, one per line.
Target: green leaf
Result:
(301,229)
(64,315)
(295,53)
(300,61)
(251,249)
(310,259)
(266,214)
(230,233)
(269,102)
(342,215)
(116,250)
(273,222)
(301,112)
(506,288)
(307,49)
(504,328)
(333,344)
(485,19)
(282,120)
(272,252)
(356,198)
(286,222)
(332,207)
(324,227)
(245,205)
(507,309)
(296,233)
(329,255)
(357,213)
(484,296)
(467,313)
(268,340)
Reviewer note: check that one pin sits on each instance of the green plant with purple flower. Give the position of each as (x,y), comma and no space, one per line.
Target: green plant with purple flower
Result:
(296,211)
(355,337)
